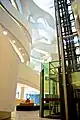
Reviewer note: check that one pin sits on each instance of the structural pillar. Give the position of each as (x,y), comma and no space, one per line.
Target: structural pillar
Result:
(8,77)
(22,93)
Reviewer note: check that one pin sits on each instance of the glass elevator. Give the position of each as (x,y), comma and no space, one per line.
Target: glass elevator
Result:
(62,97)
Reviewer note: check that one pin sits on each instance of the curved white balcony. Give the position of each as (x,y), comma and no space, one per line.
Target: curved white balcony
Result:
(16,15)
(15,44)
(18,31)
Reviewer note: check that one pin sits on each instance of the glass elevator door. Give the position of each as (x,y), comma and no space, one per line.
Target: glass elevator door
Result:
(50,98)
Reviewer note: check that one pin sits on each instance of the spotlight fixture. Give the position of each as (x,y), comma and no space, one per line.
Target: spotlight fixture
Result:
(5,32)
(13,41)
(20,48)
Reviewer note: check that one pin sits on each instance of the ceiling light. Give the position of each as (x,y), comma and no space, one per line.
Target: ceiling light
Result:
(13,41)
(5,32)
(23,54)
(20,48)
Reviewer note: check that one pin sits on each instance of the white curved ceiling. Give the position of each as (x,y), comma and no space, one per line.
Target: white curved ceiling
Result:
(13,28)
(41,16)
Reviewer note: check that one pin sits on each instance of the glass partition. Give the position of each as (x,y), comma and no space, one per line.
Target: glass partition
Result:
(50,97)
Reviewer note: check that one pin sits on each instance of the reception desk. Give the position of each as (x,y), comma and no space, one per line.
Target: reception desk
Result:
(29,107)
(22,105)
(18,101)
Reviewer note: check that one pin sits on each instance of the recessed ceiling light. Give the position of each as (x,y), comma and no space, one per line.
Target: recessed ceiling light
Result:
(23,54)
(20,48)
(5,32)
(13,41)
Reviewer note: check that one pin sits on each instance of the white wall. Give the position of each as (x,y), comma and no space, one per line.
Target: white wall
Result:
(27,75)
(9,62)
(8,74)
(15,30)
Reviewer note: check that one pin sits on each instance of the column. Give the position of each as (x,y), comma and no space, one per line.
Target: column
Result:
(8,77)
(22,93)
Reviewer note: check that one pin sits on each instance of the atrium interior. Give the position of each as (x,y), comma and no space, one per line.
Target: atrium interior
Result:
(40,59)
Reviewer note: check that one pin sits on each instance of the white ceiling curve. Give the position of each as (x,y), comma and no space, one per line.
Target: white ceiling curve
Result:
(41,16)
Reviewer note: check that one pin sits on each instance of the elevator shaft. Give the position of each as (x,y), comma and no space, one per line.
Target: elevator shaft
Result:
(69,56)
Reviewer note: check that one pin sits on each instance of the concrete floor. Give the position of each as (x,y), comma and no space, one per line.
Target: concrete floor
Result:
(31,115)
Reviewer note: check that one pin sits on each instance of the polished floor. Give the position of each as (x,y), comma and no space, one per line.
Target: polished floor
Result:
(32,115)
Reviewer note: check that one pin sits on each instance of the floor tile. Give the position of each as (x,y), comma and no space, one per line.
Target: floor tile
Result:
(28,115)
